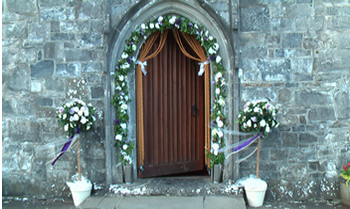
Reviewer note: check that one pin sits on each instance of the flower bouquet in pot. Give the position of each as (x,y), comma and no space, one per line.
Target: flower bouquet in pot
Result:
(344,184)
(216,154)
(257,117)
(76,116)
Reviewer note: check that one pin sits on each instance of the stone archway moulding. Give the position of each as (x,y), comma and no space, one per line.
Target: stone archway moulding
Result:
(191,11)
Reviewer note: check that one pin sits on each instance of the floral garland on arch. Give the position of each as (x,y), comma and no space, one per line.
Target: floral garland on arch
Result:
(127,62)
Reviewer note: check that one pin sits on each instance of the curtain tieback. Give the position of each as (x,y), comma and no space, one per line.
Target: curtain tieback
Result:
(143,64)
(201,68)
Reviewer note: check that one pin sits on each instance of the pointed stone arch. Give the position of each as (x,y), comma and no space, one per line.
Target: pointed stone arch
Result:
(140,12)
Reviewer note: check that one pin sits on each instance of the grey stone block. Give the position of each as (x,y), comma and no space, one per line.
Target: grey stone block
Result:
(23,130)
(275,70)
(81,55)
(283,24)
(97,92)
(338,10)
(255,19)
(17,30)
(54,84)
(311,98)
(291,40)
(18,79)
(91,10)
(97,25)
(52,14)
(290,140)
(22,6)
(9,55)
(50,3)
(342,105)
(44,101)
(55,26)
(254,52)
(74,26)
(338,23)
(6,106)
(307,138)
(297,10)
(90,39)
(53,50)
(321,115)
(62,36)
(43,69)
(91,67)
(68,69)
(38,32)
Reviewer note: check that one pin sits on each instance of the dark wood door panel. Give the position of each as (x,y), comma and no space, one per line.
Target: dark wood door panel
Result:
(173,113)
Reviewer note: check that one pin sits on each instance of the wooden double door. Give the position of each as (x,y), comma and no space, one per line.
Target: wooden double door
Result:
(173,104)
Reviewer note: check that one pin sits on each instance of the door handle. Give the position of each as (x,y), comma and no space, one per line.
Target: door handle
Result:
(194,110)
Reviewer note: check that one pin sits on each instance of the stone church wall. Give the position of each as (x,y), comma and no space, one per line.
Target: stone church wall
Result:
(296,53)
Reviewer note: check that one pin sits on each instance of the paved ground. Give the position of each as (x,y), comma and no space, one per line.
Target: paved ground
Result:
(164,202)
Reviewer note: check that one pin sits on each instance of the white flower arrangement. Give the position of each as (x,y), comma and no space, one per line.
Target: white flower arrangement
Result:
(75,115)
(258,116)
(127,61)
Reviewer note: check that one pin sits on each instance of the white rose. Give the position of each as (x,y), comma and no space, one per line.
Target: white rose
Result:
(124,107)
(83,120)
(157,25)
(249,123)
(133,47)
(66,127)
(64,116)
(217,91)
(124,55)
(221,102)
(256,109)
(80,113)
(211,51)
(262,123)
(216,46)
(143,26)
(125,147)
(121,78)
(210,38)
(215,148)
(214,132)
(151,25)
(118,137)
(123,125)
(220,134)
(218,76)
(75,117)
(88,127)
(268,129)
(160,18)
(218,59)
(172,20)
(220,124)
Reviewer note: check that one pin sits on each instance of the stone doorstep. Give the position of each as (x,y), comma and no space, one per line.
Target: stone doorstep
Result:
(178,186)
(176,192)
(143,202)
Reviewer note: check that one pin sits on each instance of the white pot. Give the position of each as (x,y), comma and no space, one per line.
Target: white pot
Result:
(255,192)
(80,191)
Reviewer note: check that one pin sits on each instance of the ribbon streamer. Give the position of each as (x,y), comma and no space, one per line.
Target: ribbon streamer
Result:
(201,68)
(143,64)
(65,147)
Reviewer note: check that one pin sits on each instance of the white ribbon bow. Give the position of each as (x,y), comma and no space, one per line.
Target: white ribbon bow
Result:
(201,68)
(143,64)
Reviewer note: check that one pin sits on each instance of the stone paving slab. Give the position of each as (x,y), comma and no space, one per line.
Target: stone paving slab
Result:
(160,202)
(218,202)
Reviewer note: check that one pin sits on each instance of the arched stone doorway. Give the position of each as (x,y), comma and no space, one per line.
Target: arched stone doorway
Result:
(137,15)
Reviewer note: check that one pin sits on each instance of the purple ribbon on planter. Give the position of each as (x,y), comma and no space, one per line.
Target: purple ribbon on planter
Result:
(245,143)
(65,146)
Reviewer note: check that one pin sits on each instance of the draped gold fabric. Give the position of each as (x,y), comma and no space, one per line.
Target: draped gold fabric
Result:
(143,57)
(197,48)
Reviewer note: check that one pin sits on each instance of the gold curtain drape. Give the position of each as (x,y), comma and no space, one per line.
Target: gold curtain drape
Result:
(139,92)
(198,49)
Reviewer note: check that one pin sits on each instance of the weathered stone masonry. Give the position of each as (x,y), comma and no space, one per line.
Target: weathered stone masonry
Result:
(294,52)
